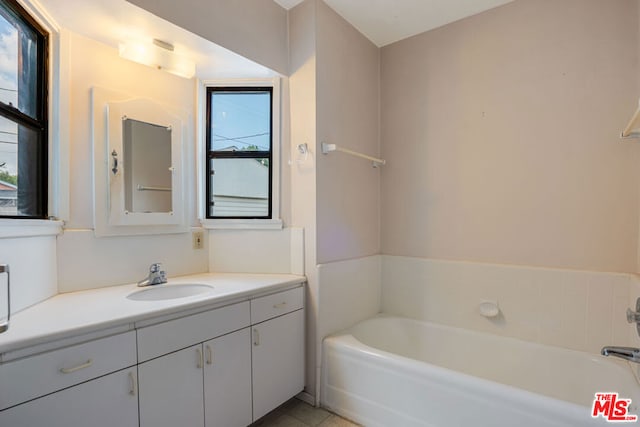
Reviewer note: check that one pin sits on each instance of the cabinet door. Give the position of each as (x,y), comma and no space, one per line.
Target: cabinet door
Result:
(104,402)
(171,390)
(227,380)
(278,361)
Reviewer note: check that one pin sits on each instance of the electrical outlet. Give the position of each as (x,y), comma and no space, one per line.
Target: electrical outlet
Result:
(198,239)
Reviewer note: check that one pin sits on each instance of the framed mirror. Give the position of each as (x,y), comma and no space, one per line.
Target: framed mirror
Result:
(138,166)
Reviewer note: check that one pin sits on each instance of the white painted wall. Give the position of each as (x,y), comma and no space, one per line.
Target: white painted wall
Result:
(87,262)
(257,251)
(32,261)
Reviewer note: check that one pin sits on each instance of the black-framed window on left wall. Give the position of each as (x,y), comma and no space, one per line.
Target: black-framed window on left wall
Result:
(23,114)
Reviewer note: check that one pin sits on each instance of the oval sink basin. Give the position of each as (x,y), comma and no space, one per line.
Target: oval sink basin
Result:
(164,292)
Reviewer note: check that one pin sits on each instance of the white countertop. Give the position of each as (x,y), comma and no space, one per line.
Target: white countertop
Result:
(86,312)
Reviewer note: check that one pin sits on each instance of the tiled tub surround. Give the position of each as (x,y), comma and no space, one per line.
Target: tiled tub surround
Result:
(577,310)
(228,355)
(545,316)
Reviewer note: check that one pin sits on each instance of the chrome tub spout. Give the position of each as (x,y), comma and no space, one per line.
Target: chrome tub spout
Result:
(627,353)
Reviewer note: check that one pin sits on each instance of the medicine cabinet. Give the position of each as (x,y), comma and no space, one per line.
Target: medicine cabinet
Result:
(139,174)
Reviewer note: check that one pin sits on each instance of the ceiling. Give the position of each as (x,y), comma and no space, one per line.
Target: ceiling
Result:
(382,21)
(387,21)
(115,21)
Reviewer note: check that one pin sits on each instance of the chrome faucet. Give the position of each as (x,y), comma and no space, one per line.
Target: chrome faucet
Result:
(627,353)
(156,276)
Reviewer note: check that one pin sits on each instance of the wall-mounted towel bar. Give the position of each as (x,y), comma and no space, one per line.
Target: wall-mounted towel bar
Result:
(633,128)
(147,188)
(327,148)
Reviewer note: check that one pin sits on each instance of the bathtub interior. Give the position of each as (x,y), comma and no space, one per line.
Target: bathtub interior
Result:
(379,391)
(563,374)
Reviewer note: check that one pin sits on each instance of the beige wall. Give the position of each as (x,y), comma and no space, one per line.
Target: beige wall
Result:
(501,136)
(302,95)
(93,64)
(348,196)
(79,253)
(256,29)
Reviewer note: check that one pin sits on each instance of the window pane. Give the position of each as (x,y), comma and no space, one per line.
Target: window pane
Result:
(18,83)
(9,63)
(240,121)
(239,188)
(20,171)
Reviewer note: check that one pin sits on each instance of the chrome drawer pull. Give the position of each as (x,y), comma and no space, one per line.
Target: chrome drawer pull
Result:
(4,268)
(209,355)
(280,305)
(132,384)
(77,368)
(256,337)
(199,358)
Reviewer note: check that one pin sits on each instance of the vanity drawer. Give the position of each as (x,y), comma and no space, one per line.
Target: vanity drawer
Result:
(267,307)
(157,340)
(31,377)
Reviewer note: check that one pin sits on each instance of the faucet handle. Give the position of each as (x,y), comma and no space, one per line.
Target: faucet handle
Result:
(634,316)
(155,267)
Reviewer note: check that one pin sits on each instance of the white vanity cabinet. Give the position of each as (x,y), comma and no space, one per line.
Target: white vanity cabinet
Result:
(207,383)
(277,349)
(171,386)
(171,389)
(103,402)
(253,363)
(93,383)
(225,366)
(227,380)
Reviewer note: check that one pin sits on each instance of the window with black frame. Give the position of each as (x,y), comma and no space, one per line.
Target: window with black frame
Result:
(23,114)
(239,152)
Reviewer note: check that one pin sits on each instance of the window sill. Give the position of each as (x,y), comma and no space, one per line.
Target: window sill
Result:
(10,228)
(242,224)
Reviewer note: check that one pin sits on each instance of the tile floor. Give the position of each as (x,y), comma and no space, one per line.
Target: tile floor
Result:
(296,413)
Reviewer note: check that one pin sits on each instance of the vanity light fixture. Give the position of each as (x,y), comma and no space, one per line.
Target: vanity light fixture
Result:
(158,54)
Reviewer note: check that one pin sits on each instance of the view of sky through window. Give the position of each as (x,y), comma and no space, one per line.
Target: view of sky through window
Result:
(8,95)
(240,121)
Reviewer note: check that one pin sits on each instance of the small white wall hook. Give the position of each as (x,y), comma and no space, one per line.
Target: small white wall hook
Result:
(303,150)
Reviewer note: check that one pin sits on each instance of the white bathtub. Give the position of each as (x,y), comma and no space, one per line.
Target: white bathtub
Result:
(396,372)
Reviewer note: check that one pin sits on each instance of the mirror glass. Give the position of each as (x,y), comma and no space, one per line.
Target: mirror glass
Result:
(147,166)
